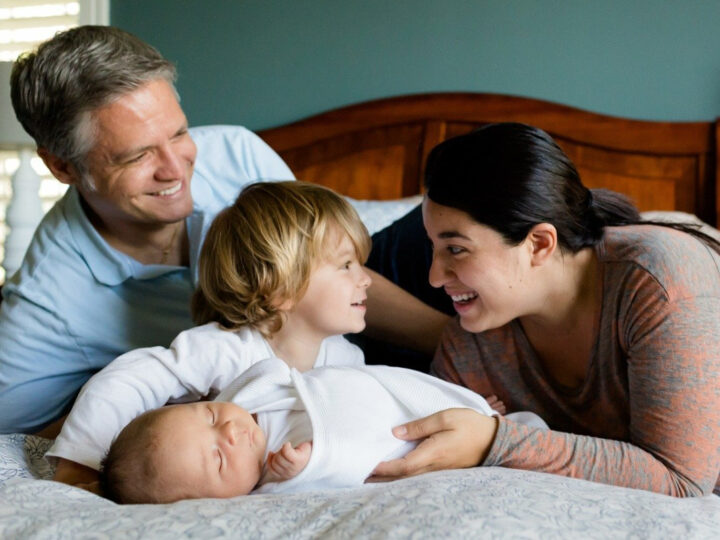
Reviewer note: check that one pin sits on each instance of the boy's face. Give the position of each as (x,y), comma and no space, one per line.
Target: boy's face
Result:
(334,301)
(208,449)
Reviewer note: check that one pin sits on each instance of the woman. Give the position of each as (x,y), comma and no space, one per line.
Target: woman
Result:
(569,306)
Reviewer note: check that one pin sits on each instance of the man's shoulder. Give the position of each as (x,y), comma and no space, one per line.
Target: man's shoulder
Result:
(216,132)
(228,157)
(53,251)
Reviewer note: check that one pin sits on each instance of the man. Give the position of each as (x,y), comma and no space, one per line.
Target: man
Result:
(111,267)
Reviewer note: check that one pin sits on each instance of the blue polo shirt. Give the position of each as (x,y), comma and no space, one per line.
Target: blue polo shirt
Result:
(76,303)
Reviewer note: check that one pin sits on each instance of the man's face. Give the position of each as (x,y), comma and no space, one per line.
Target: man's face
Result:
(208,449)
(142,160)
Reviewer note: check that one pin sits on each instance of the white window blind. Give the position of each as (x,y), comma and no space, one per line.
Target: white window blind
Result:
(24,24)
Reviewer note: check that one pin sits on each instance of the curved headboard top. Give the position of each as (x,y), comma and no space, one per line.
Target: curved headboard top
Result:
(377,149)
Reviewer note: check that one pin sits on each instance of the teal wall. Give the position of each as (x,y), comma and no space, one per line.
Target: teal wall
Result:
(266,62)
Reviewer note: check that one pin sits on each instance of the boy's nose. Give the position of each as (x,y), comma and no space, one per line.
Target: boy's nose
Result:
(365,279)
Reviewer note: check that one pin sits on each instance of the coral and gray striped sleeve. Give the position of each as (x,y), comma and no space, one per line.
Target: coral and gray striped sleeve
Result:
(647,414)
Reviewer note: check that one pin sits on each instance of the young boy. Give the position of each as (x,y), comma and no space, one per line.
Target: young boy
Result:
(280,277)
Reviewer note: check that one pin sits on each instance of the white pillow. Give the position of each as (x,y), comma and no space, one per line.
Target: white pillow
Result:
(376,215)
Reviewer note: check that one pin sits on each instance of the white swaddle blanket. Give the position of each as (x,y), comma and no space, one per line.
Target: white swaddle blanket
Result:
(348,413)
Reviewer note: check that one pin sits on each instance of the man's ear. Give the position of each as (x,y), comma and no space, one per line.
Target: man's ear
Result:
(60,169)
(542,240)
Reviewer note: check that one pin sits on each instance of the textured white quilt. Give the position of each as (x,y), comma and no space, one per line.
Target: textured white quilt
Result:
(478,503)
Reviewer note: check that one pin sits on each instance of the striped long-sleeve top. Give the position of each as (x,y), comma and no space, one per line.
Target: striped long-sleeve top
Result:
(647,414)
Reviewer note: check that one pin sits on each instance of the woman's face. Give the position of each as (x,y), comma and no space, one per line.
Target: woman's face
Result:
(486,278)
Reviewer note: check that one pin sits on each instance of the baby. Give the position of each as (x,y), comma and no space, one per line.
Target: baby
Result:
(219,449)
(280,280)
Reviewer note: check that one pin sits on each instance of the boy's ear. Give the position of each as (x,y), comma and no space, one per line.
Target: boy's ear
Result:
(60,169)
(542,240)
(284,304)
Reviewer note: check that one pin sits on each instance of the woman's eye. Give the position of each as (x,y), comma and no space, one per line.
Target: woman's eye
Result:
(454,250)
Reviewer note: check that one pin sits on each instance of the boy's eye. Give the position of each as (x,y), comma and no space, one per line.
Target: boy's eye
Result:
(220,461)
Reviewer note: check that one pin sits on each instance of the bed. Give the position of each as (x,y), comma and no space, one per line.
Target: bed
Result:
(374,152)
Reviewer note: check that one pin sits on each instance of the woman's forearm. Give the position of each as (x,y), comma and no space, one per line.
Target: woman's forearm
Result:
(606,461)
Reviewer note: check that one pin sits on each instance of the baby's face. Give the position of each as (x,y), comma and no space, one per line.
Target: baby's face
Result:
(209,449)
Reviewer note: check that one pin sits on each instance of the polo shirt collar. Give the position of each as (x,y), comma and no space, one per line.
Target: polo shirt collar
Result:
(107,265)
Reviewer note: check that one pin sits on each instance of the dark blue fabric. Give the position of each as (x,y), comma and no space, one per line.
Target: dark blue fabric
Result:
(402,253)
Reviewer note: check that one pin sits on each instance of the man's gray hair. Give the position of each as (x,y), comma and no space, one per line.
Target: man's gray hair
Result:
(55,88)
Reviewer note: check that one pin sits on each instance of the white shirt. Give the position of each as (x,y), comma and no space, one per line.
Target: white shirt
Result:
(200,361)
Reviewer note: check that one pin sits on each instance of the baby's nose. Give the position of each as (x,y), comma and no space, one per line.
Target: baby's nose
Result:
(230,432)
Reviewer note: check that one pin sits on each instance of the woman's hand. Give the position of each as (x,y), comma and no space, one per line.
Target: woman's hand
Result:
(454,439)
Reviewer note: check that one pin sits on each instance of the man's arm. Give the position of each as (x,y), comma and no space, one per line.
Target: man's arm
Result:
(41,367)
(396,316)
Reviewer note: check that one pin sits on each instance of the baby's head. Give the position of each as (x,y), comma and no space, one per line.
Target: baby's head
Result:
(190,451)
(260,252)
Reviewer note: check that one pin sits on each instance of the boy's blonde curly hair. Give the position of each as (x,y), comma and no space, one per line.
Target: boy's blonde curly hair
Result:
(260,252)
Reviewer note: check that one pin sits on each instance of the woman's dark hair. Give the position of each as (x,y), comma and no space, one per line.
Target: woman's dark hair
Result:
(512,176)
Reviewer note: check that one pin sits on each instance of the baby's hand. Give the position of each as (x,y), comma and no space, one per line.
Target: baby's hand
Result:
(496,404)
(286,463)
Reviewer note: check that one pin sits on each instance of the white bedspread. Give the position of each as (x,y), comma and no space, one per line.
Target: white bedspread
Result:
(478,503)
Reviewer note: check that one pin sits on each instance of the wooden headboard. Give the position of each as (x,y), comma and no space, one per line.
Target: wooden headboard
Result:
(377,149)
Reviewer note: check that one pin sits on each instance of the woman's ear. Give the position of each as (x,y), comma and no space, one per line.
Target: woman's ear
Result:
(60,169)
(542,240)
